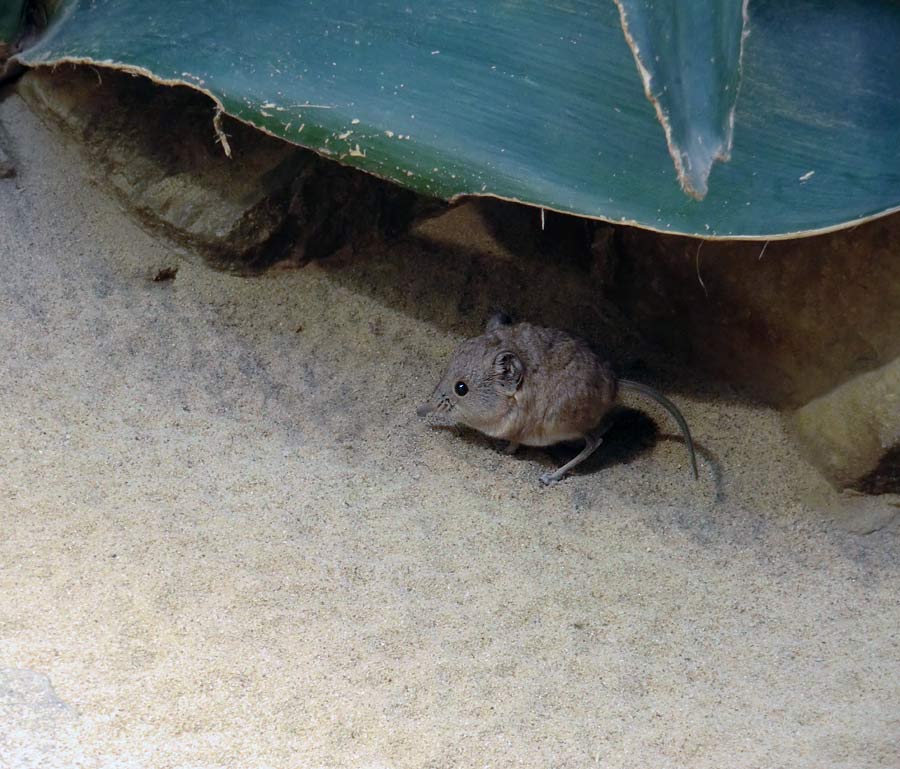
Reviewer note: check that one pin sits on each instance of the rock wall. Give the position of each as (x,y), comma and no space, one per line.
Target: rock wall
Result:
(785,321)
(811,325)
(158,148)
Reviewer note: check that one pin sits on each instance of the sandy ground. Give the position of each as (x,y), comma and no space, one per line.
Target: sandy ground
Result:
(226,540)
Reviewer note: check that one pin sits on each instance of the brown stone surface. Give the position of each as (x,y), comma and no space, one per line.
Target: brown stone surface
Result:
(158,149)
(859,513)
(852,433)
(785,321)
(170,172)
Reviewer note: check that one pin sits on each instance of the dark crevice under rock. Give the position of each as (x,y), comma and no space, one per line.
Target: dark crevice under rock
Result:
(885,478)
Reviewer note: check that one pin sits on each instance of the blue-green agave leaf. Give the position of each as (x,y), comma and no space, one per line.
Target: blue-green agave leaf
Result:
(11,14)
(688,55)
(538,102)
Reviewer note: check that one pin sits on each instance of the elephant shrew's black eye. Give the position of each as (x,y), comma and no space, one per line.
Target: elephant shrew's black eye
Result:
(460,388)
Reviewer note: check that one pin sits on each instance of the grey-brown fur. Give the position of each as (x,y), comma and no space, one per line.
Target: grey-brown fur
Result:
(533,386)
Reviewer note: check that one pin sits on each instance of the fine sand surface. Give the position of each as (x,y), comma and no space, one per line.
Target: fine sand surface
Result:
(226,540)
